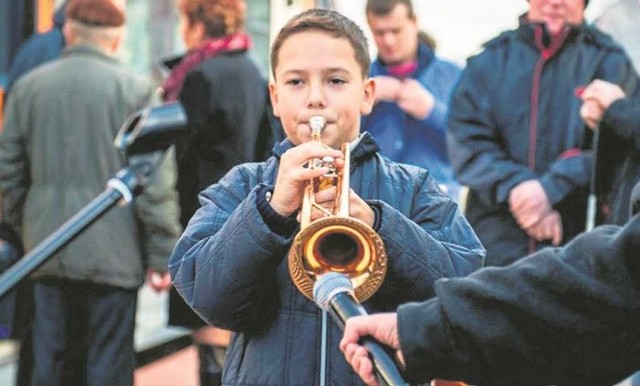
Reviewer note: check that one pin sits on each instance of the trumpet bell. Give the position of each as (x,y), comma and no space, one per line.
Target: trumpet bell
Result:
(338,244)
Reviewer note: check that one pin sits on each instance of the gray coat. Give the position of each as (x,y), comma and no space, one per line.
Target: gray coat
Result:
(56,154)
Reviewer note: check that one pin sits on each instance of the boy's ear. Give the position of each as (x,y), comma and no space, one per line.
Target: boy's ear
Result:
(368,96)
(273,94)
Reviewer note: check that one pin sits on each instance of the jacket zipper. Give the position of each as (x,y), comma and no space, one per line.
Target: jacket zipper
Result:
(545,54)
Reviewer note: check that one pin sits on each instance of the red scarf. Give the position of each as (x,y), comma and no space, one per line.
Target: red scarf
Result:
(208,49)
(404,70)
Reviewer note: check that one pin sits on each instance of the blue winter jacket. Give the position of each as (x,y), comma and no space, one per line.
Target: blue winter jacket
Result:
(420,142)
(40,48)
(231,268)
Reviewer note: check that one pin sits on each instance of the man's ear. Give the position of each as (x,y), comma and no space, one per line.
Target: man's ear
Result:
(368,96)
(273,94)
(68,34)
(117,42)
(200,31)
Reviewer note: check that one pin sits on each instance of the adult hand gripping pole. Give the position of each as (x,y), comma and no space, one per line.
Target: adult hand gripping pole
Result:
(333,293)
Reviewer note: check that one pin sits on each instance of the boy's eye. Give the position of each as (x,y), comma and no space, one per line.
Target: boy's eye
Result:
(337,81)
(293,82)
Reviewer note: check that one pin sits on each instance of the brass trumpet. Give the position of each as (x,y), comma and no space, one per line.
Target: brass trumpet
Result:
(335,242)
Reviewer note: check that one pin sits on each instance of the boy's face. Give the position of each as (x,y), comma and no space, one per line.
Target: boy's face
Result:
(318,74)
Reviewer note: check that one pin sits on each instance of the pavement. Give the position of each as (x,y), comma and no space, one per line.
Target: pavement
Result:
(177,369)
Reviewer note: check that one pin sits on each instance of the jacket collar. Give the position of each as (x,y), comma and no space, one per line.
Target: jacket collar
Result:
(425,56)
(366,147)
(527,32)
(89,50)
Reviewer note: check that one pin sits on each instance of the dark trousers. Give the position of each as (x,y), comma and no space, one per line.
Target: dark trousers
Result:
(82,334)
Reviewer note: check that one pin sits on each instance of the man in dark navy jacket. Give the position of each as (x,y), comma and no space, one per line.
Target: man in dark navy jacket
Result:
(516,137)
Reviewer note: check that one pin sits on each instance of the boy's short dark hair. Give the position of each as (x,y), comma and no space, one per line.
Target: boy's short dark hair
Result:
(330,22)
(384,7)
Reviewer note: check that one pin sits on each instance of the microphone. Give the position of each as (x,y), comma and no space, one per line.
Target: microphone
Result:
(151,129)
(333,292)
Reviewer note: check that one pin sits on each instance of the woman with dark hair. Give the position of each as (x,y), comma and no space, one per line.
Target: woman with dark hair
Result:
(225,99)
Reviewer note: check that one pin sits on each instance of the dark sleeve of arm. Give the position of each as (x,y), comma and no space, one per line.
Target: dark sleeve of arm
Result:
(561,316)
(434,241)
(225,263)
(566,174)
(622,119)
(475,150)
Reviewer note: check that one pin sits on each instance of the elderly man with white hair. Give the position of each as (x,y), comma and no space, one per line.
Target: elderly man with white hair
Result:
(56,153)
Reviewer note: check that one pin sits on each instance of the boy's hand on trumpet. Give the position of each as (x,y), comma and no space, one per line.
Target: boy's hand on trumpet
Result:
(294,175)
(358,208)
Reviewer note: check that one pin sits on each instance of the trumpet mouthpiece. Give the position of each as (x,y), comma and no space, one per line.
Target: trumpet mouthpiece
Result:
(316,123)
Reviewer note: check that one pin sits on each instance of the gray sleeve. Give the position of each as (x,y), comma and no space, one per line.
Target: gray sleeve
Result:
(14,167)
(158,213)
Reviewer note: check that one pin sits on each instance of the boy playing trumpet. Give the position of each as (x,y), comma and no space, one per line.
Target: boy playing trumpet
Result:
(230,264)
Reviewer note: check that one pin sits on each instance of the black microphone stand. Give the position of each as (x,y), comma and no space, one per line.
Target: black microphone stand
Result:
(144,138)
(592,199)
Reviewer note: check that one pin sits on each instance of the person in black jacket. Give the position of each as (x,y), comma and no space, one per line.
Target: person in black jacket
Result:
(607,109)
(563,316)
(225,98)
(516,137)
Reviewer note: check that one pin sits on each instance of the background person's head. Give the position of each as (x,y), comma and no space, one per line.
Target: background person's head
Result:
(205,19)
(557,14)
(395,30)
(320,64)
(99,23)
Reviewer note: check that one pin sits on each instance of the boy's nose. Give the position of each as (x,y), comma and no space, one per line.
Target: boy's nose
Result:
(316,98)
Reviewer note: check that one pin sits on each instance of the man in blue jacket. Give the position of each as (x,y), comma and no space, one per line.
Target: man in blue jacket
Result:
(413,88)
(516,137)
(230,264)
(39,49)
